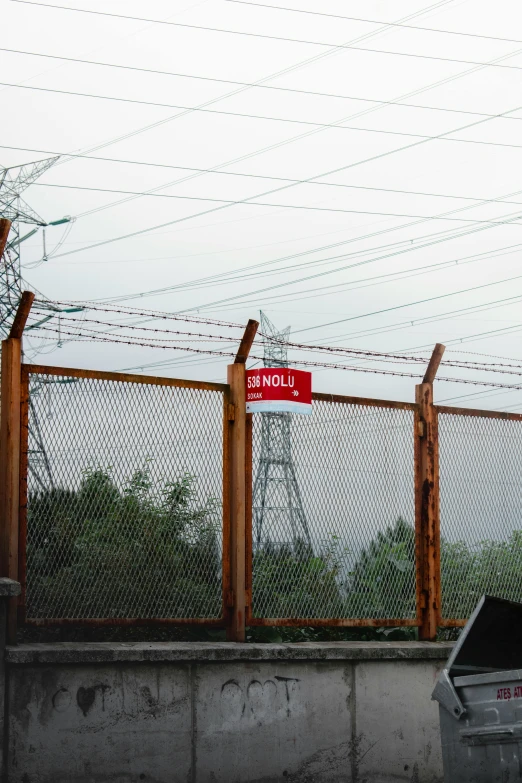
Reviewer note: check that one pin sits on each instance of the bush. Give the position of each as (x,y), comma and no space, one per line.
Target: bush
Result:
(296,582)
(293,582)
(470,571)
(104,552)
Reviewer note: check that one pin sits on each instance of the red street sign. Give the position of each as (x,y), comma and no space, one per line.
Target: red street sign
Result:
(278,390)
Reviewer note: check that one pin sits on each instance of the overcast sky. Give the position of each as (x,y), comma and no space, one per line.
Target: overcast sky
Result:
(384,202)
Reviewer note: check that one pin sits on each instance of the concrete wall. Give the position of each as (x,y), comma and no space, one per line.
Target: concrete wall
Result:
(223,713)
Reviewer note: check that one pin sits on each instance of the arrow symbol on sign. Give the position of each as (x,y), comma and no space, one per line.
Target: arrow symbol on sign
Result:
(295,393)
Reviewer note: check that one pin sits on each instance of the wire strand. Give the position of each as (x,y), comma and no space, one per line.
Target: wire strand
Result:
(336,350)
(269,37)
(146,313)
(306,363)
(377,21)
(251,85)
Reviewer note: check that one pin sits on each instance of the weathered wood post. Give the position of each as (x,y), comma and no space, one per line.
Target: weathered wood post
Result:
(10,433)
(238,486)
(427,506)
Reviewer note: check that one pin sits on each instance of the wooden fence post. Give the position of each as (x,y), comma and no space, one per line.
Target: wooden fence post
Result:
(238,486)
(10,412)
(427,508)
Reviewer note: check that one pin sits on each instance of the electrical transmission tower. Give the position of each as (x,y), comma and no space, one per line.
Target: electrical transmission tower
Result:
(13,181)
(278,513)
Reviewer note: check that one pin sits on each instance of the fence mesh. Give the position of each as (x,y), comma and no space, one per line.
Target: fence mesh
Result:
(124,514)
(333,513)
(481,510)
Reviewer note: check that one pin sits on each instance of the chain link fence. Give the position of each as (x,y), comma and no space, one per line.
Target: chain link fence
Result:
(124,517)
(480,509)
(333,529)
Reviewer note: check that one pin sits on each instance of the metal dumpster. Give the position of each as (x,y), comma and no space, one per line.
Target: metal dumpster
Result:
(480,697)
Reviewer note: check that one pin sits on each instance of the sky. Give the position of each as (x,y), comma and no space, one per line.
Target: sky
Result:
(357,180)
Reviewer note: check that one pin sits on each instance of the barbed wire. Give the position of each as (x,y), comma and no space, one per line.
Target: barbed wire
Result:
(381,356)
(387,357)
(209,337)
(141,313)
(78,336)
(512,369)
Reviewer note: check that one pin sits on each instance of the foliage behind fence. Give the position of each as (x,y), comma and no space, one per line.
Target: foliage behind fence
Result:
(127,516)
(125,513)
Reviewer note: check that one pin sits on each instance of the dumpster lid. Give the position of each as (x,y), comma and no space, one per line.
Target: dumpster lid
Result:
(491,641)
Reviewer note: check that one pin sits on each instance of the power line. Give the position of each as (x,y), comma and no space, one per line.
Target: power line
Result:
(180,361)
(377,21)
(482,394)
(442,236)
(248,176)
(370,282)
(249,268)
(473,337)
(270,37)
(280,188)
(409,304)
(429,319)
(409,248)
(289,69)
(352,285)
(244,115)
(323,273)
(280,206)
(269,118)
(251,85)
(487,355)
(304,253)
(308,133)
(271,76)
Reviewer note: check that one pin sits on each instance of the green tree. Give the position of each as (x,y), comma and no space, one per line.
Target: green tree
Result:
(382,582)
(138,551)
(471,570)
(293,582)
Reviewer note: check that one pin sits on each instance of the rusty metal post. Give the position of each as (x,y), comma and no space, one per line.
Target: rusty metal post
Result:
(427,508)
(10,433)
(238,489)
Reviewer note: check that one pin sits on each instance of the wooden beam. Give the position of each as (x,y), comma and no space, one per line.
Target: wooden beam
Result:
(22,314)
(246,342)
(434,363)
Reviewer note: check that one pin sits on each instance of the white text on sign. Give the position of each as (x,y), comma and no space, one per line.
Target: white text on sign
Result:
(270,380)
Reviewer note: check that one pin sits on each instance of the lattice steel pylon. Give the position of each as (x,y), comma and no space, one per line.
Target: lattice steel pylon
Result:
(13,181)
(278,514)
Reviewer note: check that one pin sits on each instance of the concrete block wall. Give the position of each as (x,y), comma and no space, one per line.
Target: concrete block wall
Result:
(223,713)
